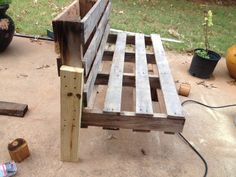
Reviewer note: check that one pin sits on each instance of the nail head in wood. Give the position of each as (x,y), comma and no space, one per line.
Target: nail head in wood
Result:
(78,96)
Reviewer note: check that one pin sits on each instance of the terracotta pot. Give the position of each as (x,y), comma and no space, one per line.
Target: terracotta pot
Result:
(7,28)
(231,61)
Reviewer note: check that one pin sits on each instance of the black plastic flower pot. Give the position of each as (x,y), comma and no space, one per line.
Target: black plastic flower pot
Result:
(201,67)
(7,28)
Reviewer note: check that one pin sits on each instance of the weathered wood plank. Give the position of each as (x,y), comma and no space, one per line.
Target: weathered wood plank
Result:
(85,6)
(91,19)
(130,120)
(94,44)
(114,90)
(88,88)
(13,109)
(143,92)
(72,80)
(129,57)
(172,101)
(128,80)
(71,13)
(161,101)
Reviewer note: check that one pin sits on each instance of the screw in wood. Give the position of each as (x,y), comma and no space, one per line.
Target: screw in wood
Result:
(78,96)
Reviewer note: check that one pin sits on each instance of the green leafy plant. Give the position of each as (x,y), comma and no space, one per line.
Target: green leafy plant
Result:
(202,53)
(4,2)
(208,23)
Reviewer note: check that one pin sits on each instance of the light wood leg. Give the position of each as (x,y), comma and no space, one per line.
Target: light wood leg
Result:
(72,80)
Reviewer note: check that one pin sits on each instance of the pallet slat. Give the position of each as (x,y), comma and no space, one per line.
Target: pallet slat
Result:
(130,120)
(71,13)
(172,101)
(85,6)
(93,47)
(88,88)
(143,93)
(91,19)
(114,91)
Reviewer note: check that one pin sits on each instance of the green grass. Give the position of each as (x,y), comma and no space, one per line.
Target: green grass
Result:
(181,16)
(35,18)
(156,16)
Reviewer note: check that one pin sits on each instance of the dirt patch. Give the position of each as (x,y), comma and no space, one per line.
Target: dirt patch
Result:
(218,2)
(4,24)
(232,82)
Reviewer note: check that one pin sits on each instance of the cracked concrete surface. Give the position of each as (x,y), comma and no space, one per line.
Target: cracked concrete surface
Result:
(129,154)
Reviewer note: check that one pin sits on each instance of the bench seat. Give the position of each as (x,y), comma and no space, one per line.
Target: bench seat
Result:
(109,80)
(137,62)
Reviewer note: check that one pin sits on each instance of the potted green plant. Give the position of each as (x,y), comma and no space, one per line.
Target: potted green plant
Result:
(7,27)
(204,61)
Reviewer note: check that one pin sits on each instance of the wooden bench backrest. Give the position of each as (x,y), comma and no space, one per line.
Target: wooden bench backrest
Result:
(80,31)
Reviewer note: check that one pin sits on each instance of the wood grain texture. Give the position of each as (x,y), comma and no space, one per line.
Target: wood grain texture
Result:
(88,88)
(71,13)
(130,120)
(13,109)
(85,6)
(91,19)
(172,101)
(114,90)
(66,36)
(143,91)
(72,80)
(161,101)
(95,42)
(18,150)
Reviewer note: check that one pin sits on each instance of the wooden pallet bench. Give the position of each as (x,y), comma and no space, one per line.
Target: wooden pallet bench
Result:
(110,80)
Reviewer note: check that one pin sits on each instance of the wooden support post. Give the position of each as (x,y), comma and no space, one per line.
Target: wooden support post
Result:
(71,110)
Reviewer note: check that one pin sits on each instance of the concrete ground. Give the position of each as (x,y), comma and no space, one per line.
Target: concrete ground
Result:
(28,75)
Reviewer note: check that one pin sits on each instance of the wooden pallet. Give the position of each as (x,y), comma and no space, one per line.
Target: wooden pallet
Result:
(96,80)
(156,105)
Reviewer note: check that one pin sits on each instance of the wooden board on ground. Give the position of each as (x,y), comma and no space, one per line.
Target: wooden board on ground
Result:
(13,109)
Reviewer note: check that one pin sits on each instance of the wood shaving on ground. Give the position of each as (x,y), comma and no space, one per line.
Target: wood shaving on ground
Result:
(110,137)
(36,40)
(143,152)
(43,67)
(206,85)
